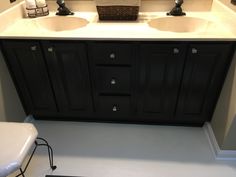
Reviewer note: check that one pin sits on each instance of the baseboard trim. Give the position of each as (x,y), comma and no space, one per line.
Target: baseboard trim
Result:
(218,153)
(29,119)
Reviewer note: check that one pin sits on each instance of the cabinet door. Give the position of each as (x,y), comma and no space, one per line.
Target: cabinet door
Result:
(68,68)
(203,78)
(26,63)
(161,67)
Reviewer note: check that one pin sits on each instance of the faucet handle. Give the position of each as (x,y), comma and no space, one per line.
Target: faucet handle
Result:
(177,10)
(63,10)
(179,2)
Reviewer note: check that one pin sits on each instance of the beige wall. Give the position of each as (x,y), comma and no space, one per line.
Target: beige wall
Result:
(224,118)
(5,4)
(10,106)
(146,5)
(229,4)
(230,137)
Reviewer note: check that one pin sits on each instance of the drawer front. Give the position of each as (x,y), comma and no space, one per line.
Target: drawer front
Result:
(113,80)
(114,104)
(112,54)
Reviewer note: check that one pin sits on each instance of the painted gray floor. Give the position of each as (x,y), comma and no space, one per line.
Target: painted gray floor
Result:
(126,150)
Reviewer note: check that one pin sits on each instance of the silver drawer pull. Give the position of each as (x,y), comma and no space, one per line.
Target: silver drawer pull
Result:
(112,56)
(194,51)
(175,50)
(114,109)
(113,81)
(33,48)
(50,49)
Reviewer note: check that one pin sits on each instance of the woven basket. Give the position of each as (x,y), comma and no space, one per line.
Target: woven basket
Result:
(118,12)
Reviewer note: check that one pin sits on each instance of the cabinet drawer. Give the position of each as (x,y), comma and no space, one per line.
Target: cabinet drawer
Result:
(113,79)
(111,53)
(114,104)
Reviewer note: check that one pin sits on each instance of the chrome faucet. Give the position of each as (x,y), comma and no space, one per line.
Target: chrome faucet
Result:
(62,9)
(177,10)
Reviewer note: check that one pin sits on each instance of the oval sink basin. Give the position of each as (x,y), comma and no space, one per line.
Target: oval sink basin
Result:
(180,24)
(61,23)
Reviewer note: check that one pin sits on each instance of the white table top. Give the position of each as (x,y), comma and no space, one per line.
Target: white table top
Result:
(15,141)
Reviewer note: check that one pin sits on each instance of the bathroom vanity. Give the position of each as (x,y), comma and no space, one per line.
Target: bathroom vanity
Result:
(132,72)
(120,81)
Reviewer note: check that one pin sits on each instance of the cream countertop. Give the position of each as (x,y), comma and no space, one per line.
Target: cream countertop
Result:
(26,28)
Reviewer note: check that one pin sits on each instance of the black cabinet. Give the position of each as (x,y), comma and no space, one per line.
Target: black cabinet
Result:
(161,67)
(180,82)
(28,69)
(112,66)
(142,82)
(203,77)
(68,70)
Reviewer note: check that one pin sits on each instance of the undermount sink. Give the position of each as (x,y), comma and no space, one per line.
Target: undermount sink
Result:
(61,23)
(181,24)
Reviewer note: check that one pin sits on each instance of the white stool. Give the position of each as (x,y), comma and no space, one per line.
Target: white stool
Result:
(16,139)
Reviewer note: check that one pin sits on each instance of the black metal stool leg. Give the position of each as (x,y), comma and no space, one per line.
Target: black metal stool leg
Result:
(50,152)
(22,172)
(50,156)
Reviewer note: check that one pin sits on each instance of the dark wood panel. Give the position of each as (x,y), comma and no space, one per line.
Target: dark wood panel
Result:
(115,80)
(29,71)
(202,80)
(111,53)
(68,68)
(114,105)
(160,76)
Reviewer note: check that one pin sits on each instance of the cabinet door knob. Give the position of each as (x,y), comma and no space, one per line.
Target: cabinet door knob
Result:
(112,56)
(175,50)
(113,81)
(50,49)
(194,51)
(114,109)
(33,48)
